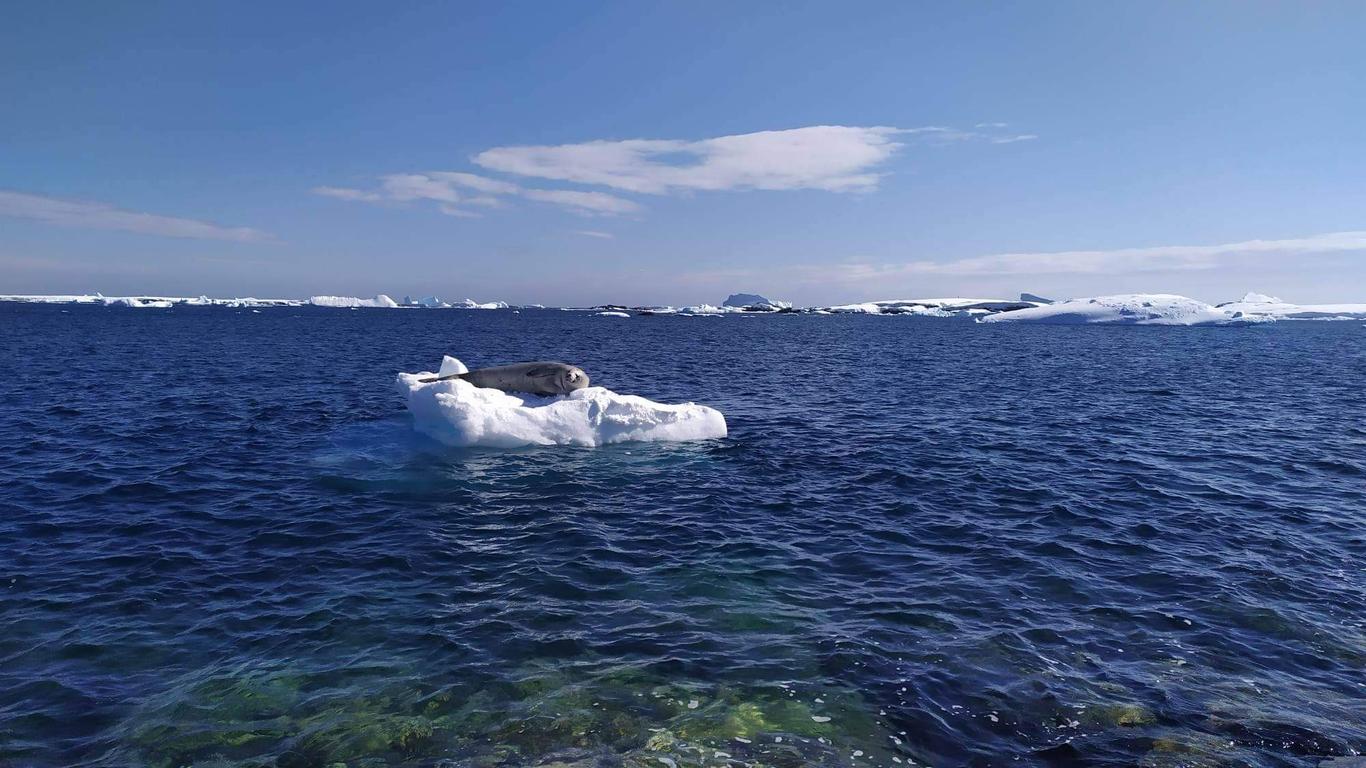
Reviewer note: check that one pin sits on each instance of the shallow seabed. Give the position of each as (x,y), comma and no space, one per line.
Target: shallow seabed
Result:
(925,542)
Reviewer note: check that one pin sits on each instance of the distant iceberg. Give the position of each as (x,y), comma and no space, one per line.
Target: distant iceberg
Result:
(706,309)
(1260,304)
(140,302)
(460,414)
(865,308)
(472,304)
(350,301)
(754,303)
(1126,309)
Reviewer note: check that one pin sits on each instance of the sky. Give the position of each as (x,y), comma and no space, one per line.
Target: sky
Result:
(673,153)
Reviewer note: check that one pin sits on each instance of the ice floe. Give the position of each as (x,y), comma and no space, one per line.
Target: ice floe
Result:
(351,301)
(611,313)
(458,413)
(1261,304)
(1127,309)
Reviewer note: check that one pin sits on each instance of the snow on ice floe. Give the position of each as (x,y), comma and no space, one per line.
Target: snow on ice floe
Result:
(460,414)
(1128,309)
(351,301)
(1262,305)
(611,313)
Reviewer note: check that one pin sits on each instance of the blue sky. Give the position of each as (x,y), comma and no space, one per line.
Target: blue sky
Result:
(574,153)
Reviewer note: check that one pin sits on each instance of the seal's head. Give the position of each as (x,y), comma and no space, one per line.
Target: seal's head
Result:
(571,378)
(550,378)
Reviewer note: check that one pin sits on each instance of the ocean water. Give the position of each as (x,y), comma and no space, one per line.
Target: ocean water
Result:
(925,542)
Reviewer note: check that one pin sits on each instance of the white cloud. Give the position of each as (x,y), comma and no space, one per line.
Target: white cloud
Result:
(595,233)
(459,213)
(833,158)
(441,187)
(90,215)
(830,157)
(416,186)
(591,203)
(1168,258)
(476,182)
(344,193)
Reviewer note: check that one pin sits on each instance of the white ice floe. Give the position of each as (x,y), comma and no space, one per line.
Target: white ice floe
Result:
(472,304)
(460,414)
(611,314)
(706,309)
(351,301)
(84,298)
(865,308)
(1259,304)
(140,302)
(1129,309)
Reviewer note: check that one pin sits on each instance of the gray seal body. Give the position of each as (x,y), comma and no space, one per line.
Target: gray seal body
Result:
(543,378)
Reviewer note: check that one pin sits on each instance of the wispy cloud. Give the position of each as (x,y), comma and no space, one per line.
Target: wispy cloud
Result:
(828,157)
(832,158)
(91,215)
(589,203)
(1169,258)
(595,233)
(448,189)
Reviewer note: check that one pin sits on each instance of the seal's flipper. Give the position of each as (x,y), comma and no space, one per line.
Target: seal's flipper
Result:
(441,378)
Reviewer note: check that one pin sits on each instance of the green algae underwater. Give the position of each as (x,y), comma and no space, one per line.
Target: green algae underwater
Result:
(571,716)
(623,716)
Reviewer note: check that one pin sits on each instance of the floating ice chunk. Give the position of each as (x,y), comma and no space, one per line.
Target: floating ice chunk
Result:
(611,314)
(705,309)
(451,366)
(350,301)
(460,414)
(866,308)
(1259,304)
(138,302)
(1130,309)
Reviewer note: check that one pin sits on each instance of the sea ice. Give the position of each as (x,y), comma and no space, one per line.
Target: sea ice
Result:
(460,414)
(140,302)
(1130,309)
(1259,304)
(350,301)
(865,308)
(612,314)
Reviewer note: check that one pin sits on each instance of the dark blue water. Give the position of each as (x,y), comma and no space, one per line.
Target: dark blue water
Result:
(925,542)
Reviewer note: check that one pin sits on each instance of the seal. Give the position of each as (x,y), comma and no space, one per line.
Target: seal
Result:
(542,378)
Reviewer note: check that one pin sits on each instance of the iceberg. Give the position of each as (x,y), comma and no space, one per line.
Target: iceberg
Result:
(472,304)
(865,308)
(705,309)
(1262,305)
(140,302)
(611,314)
(460,414)
(753,302)
(350,301)
(1126,309)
